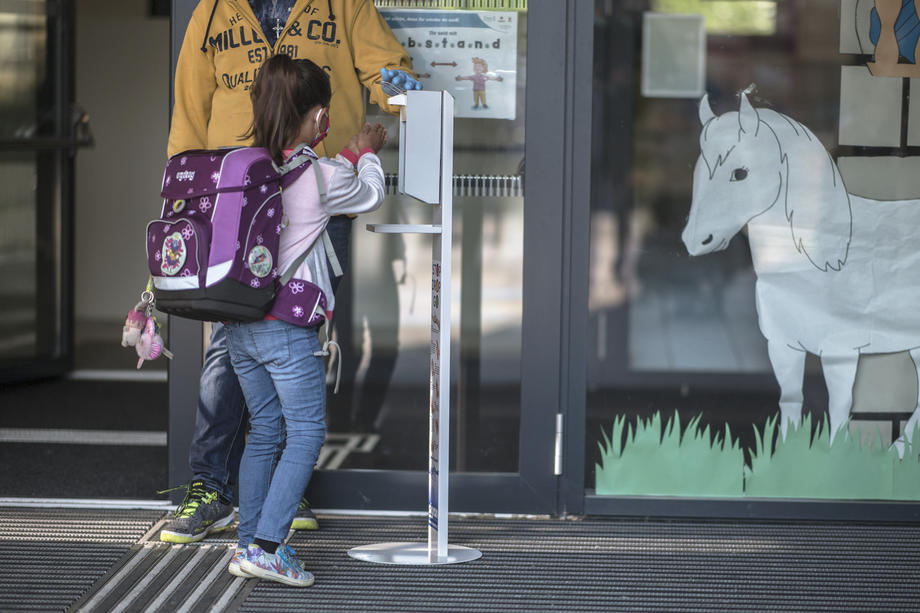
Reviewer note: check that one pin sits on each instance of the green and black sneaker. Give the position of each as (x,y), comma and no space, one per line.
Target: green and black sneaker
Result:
(200,514)
(304,519)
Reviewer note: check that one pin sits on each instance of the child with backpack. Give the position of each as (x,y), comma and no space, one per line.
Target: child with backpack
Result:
(279,359)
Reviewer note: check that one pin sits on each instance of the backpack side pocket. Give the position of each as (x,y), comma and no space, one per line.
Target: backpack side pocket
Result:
(260,252)
(177,251)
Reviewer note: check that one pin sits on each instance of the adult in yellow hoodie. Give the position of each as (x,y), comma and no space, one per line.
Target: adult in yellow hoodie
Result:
(223,48)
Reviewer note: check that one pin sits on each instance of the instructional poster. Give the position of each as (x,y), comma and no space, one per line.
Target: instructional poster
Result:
(471,54)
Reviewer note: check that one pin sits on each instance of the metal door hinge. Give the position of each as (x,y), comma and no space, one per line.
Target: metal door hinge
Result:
(557,460)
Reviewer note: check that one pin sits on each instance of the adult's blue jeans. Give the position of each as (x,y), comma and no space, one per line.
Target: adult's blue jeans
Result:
(284,384)
(220,423)
(221,420)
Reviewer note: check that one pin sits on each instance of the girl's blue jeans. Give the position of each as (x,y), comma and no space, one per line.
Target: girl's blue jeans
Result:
(285,389)
(221,420)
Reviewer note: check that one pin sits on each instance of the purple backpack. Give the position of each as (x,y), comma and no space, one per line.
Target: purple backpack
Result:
(213,253)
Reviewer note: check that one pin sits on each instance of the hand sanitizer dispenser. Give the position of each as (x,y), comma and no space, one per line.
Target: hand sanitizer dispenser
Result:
(421,143)
(426,166)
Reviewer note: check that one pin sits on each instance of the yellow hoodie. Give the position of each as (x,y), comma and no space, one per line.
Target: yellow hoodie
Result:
(224,47)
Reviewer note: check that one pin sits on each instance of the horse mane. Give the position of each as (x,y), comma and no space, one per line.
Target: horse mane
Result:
(816,200)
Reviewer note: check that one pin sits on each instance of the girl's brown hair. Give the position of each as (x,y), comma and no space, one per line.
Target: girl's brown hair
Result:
(283,92)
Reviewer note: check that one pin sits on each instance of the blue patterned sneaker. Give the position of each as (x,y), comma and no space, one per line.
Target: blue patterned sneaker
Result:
(281,566)
(234,566)
(240,553)
(290,553)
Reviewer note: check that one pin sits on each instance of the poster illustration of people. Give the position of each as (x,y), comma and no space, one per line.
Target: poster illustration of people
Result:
(471,54)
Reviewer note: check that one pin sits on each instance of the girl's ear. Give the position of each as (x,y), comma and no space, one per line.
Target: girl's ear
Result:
(322,118)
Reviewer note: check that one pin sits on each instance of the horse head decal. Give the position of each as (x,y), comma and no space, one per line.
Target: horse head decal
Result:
(758,166)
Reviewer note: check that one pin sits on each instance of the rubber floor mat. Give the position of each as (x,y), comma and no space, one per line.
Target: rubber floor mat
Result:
(49,558)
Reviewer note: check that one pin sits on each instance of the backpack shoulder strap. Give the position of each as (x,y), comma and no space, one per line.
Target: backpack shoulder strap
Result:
(323,236)
(320,183)
(327,242)
(294,166)
(289,272)
(331,256)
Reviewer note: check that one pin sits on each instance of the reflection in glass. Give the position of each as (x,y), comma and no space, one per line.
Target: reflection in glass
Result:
(30,229)
(23,97)
(669,335)
(18,268)
(757,17)
(383,401)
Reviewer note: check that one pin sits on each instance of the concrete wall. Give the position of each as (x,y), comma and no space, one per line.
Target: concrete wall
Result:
(122,80)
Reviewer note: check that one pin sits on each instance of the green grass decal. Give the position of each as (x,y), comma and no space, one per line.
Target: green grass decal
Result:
(803,466)
(659,461)
(654,459)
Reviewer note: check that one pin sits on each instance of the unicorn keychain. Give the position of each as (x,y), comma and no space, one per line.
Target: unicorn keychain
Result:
(142,331)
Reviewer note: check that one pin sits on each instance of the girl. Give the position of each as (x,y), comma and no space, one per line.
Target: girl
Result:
(278,360)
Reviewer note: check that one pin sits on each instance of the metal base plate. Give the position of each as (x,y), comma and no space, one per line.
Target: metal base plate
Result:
(411,553)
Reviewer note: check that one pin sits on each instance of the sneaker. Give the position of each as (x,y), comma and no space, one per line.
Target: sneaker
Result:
(281,566)
(289,552)
(200,514)
(234,566)
(304,519)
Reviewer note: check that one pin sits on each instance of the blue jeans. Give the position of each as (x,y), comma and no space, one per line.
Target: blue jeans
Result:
(220,423)
(221,420)
(284,384)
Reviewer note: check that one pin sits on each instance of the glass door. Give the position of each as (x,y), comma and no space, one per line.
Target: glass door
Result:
(36,148)
(378,423)
(715,383)
(505,393)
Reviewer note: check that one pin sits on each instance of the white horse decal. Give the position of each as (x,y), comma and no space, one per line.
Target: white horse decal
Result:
(837,274)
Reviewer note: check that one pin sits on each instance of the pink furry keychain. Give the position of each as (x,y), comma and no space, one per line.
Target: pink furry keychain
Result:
(134,325)
(150,343)
(142,331)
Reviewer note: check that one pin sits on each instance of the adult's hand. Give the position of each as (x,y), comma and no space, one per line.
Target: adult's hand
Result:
(400,78)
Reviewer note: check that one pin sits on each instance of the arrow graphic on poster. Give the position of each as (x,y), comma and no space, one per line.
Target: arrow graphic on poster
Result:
(434,64)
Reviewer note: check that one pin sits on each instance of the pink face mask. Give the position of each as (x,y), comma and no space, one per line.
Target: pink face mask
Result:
(321,132)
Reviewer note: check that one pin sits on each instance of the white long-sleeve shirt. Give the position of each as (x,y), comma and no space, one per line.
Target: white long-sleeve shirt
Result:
(347,193)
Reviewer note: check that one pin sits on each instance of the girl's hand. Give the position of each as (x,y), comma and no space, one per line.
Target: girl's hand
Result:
(372,137)
(353,145)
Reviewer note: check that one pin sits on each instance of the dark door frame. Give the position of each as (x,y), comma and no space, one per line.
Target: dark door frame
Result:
(185,335)
(573,250)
